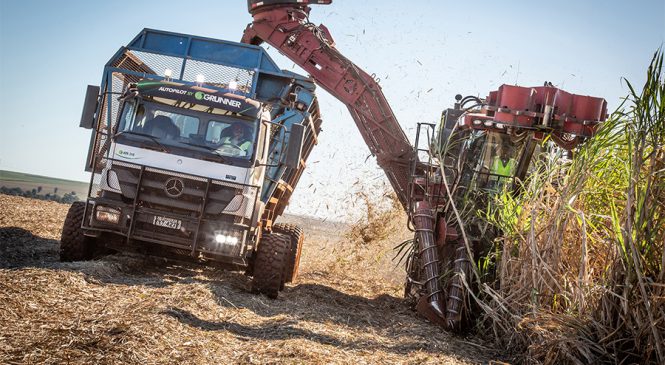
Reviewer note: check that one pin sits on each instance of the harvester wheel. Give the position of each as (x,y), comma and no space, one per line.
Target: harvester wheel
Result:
(296,237)
(74,245)
(271,257)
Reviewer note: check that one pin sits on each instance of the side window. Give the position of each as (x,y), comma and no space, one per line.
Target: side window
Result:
(127,120)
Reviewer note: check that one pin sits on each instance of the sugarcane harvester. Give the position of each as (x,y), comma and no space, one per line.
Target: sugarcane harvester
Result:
(494,139)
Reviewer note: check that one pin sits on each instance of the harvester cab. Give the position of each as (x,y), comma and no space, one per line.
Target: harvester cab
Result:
(490,142)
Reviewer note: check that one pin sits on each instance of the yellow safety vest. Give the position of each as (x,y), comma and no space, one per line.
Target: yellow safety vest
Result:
(243,146)
(498,168)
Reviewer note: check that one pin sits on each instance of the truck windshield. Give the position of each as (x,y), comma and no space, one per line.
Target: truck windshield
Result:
(199,133)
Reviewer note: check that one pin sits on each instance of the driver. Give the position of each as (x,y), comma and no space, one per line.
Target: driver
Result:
(237,135)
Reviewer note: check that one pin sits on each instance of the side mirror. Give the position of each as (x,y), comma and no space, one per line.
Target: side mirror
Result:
(89,107)
(294,147)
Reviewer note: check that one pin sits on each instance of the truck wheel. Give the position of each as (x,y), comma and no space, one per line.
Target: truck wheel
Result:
(269,264)
(74,245)
(296,237)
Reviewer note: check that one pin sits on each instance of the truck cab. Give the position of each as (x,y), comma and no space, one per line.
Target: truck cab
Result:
(184,169)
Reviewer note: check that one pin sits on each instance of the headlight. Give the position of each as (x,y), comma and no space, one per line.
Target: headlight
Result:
(106,214)
(227,238)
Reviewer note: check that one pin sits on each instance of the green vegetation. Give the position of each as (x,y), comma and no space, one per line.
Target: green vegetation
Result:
(41,187)
(580,274)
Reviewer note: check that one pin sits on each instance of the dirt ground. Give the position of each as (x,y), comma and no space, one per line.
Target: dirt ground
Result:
(345,308)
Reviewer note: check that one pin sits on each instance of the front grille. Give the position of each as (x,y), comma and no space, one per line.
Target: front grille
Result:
(223,197)
(153,193)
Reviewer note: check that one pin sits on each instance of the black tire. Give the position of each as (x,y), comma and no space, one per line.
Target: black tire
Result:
(269,264)
(74,245)
(296,237)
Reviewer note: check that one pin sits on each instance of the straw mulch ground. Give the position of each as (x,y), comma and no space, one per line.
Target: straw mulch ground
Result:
(135,310)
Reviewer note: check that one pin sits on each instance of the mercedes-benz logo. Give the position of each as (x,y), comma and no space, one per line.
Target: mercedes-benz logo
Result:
(174,187)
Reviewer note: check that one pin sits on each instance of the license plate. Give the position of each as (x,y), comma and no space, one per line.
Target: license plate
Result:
(167,222)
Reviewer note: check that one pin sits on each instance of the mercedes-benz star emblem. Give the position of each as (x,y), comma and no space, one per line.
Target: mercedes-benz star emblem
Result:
(174,187)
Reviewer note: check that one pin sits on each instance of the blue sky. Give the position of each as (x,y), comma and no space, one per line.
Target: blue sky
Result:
(424,52)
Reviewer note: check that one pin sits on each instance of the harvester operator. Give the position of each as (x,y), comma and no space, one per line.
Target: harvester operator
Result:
(502,169)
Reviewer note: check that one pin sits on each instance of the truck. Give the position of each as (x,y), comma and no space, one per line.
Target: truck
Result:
(196,146)
(480,146)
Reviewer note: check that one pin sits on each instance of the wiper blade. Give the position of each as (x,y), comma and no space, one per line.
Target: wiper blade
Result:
(149,136)
(196,145)
(207,148)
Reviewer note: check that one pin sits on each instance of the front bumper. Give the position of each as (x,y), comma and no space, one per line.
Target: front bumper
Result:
(188,236)
(203,222)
